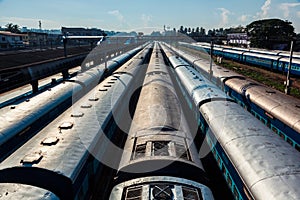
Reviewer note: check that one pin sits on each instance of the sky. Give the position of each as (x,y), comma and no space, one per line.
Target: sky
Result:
(145,15)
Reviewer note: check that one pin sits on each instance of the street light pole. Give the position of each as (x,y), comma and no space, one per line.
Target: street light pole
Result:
(288,81)
(211,59)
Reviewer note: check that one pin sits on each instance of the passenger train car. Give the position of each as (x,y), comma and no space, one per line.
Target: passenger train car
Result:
(160,159)
(285,54)
(64,160)
(13,191)
(255,163)
(21,120)
(272,61)
(281,113)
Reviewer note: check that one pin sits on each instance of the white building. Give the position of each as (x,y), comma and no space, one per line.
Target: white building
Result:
(239,39)
(11,40)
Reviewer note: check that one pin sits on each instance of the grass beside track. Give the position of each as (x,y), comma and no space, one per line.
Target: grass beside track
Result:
(267,78)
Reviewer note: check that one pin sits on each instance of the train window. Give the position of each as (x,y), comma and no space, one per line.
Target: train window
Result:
(140,151)
(229,181)
(281,135)
(269,123)
(213,151)
(218,160)
(297,147)
(190,194)
(182,152)
(223,169)
(289,141)
(134,193)
(274,129)
(160,148)
(235,193)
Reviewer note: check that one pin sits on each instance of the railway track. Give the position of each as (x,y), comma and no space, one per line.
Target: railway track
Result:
(9,60)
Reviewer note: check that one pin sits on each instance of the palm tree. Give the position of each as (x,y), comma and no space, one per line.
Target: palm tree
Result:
(14,28)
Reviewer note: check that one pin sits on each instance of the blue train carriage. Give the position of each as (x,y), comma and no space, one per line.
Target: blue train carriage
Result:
(279,112)
(165,140)
(177,62)
(160,160)
(265,52)
(63,157)
(156,187)
(231,130)
(217,51)
(219,74)
(236,88)
(283,65)
(274,109)
(287,54)
(255,164)
(23,119)
(260,59)
(231,54)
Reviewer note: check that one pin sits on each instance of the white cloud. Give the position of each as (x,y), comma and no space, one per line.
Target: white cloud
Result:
(224,16)
(298,14)
(265,8)
(286,8)
(243,18)
(117,14)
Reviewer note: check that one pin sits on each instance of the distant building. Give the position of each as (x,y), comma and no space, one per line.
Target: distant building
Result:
(81,31)
(40,37)
(11,40)
(37,39)
(238,39)
(49,32)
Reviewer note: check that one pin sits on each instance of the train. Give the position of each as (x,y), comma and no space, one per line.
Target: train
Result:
(255,163)
(25,117)
(12,191)
(64,159)
(271,61)
(279,112)
(160,159)
(254,50)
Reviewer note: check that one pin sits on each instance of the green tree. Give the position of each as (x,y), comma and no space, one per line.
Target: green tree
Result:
(270,32)
(202,31)
(181,29)
(14,28)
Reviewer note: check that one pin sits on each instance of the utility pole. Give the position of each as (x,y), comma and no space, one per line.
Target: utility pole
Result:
(211,60)
(65,46)
(288,81)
